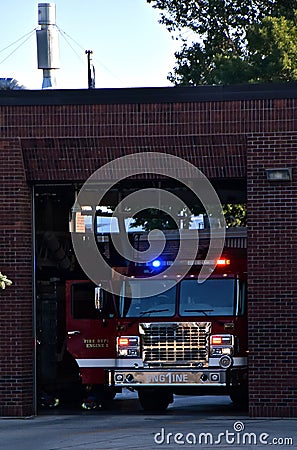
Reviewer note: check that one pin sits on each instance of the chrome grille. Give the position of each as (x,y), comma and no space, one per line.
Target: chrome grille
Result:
(176,344)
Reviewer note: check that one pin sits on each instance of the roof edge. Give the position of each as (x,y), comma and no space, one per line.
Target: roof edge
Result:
(138,95)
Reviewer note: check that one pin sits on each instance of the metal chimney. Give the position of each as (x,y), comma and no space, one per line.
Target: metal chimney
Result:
(48,44)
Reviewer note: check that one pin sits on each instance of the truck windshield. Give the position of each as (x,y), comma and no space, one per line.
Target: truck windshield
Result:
(134,303)
(214,297)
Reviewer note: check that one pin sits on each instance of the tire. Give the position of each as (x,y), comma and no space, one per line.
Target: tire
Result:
(155,400)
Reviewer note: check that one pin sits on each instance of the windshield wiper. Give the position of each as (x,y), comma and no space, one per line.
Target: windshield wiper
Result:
(143,313)
(203,311)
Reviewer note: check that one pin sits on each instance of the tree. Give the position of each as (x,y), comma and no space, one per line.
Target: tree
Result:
(235,41)
(273,50)
(155,219)
(10,84)
(4,281)
(151,218)
(235,214)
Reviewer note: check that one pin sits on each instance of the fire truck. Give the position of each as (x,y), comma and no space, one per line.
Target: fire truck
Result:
(191,338)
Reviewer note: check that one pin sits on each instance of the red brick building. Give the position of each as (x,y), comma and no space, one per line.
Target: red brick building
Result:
(51,141)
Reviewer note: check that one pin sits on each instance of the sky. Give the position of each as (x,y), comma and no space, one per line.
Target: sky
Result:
(130,48)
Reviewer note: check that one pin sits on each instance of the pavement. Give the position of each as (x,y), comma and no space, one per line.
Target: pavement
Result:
(203,423)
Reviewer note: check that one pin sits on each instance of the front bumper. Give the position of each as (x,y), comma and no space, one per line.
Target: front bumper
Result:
(167,377)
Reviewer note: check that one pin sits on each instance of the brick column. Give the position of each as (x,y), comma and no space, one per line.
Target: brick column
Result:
(272,272)
(16,318)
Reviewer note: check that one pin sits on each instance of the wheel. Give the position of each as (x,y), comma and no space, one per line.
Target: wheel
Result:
(155,399)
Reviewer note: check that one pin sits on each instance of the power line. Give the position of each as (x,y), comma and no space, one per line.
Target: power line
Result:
(15,42)
(66,37)
(64,34)
(107,69)
(8,56)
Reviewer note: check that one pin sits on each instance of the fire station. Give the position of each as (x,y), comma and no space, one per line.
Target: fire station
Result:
(242,138)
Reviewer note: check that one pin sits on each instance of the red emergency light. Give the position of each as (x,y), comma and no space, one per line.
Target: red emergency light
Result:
(223,262)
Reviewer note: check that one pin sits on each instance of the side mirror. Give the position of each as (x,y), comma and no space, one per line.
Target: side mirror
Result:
(99,298)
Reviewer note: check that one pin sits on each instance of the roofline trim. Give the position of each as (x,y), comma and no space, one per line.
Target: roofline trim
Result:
(146,95)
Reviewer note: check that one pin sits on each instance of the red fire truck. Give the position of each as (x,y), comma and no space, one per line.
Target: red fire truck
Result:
(189,339)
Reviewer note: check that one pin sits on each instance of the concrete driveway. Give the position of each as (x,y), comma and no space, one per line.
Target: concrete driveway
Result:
(191,422)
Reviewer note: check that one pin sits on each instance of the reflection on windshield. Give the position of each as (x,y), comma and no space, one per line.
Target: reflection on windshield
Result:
(133,303)
(214,297)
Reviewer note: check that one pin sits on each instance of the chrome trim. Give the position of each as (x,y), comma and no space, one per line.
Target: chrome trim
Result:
(110,362)
(237,361)
(225,361)
(175,344)
(138,363)
(168,378)
(129,362)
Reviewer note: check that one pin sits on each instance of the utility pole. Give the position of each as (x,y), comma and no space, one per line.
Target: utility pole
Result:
(91,79)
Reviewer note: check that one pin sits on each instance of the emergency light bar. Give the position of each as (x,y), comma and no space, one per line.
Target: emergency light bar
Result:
(157,263)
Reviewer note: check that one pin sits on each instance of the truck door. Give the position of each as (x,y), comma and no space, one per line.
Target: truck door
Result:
(90,327)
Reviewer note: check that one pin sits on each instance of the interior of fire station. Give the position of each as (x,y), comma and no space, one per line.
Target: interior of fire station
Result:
(57,375)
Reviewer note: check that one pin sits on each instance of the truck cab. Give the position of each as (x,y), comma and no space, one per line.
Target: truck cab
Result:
(189,339)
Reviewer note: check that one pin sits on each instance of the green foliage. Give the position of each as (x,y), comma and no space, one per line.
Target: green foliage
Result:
(152,218)
(10,84)
(155,219)
(235,214)
(4,281)
(235,41)
(273,50)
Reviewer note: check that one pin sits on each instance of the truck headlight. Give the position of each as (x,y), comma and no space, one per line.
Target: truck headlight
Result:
(128,346)
(221,344)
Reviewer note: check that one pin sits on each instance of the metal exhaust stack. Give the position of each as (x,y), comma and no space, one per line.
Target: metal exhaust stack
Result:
(48,44)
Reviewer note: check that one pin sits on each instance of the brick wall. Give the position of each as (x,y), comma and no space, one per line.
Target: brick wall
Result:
(272,268)
(16,316)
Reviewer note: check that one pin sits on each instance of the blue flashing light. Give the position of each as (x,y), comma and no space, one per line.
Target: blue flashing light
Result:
(156,263)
